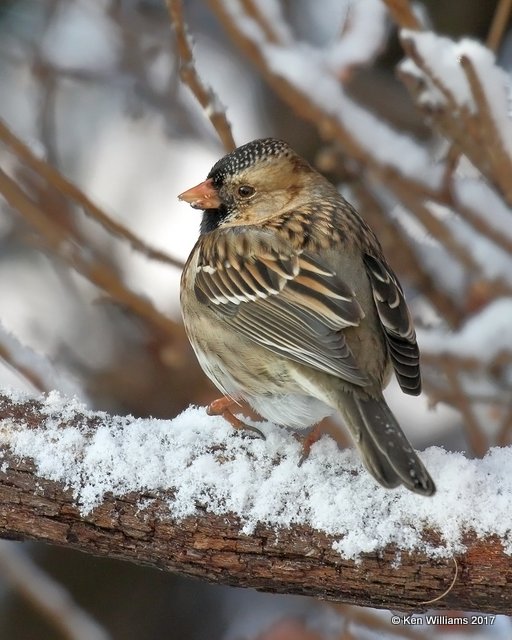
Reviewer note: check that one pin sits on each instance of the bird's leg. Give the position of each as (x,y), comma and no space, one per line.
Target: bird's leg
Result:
(313,436)
(222,407)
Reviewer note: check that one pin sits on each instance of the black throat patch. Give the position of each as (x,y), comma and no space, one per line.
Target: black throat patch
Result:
(212,218)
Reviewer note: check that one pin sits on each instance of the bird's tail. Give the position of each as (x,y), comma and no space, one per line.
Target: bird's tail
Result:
(386,452)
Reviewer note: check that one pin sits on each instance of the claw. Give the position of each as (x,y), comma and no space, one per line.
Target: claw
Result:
(313,436)
(222,407)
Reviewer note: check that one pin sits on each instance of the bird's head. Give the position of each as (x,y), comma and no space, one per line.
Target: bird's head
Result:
(255,181)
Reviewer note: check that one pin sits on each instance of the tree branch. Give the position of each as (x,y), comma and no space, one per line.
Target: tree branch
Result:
(68,190)
(189,75)
(73,247)
(297,559)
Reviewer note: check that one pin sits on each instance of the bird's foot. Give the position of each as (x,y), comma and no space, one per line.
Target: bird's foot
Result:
(313,436)
(222,407)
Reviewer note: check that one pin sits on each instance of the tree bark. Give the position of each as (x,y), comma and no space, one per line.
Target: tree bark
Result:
(297,560)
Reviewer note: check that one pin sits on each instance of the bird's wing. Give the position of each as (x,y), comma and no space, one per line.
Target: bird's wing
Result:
(397,324)
(283,299)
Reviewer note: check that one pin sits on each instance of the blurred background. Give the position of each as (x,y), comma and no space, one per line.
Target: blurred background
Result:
(93,89)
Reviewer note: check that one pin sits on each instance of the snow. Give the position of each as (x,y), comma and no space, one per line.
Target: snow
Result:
(483,336)
(443,59)
(439,55)
(364,36)
(67,42)
(310,71)
(306,69)
(493,262)
(160,71)
(196,461)
(482,200)
(436,260)
(19,355)
(273,12)
(495,83)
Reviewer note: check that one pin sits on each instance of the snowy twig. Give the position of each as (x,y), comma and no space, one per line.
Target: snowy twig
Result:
(410,191)
(70,191)
(500,161)
(76,478)
(443,373)
(10,357)
(346,123)
(46,82)
(34,367)
(189,75)
(469,111)
(477,213)
(440,232)
(363,37)
(404,17)
(454,98)
(47,596)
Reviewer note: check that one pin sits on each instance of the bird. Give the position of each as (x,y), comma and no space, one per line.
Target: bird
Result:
(291,307)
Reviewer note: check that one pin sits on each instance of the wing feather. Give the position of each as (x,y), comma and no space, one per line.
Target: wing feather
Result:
(397,324)
(283,299)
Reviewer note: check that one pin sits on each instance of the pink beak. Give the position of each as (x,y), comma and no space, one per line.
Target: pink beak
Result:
(203,196)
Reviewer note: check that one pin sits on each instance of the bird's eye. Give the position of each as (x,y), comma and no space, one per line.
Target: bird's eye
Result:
(246,191)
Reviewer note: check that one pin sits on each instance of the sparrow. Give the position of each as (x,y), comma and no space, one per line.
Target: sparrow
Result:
(291,306)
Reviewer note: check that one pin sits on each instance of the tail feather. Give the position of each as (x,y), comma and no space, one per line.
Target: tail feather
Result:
(384,448)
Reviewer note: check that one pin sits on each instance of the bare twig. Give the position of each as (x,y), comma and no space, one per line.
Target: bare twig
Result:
(254,11)
(9,357)
(402,14)
(75,250)
(504,433)
(69,190)
(477,439)
(442,374)
(188,73)
(47,596)
(499,24)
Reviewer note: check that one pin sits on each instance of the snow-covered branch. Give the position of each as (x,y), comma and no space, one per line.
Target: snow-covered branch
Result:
(189,495)
(465,93)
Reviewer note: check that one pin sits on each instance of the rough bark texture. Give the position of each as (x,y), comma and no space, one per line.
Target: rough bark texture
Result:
(298,560)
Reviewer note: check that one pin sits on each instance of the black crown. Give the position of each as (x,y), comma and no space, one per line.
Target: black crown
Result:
(246,156)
